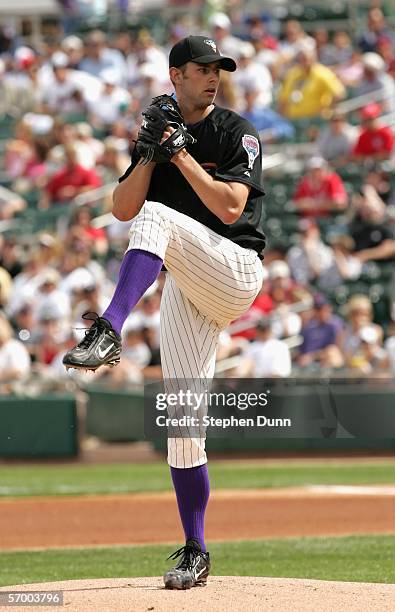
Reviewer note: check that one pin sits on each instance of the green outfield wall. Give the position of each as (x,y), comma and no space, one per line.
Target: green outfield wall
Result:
(48,426)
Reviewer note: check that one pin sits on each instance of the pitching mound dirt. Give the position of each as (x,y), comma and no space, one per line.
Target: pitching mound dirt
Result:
(223,594)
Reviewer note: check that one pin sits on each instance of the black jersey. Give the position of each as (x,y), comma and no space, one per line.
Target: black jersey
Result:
(228,148)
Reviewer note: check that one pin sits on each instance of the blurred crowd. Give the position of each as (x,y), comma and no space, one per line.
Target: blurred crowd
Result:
(74,103)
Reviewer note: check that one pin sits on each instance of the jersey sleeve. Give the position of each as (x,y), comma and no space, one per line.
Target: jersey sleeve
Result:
(242,160)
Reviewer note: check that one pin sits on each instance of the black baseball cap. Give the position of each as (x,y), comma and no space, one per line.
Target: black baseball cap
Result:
(201,50)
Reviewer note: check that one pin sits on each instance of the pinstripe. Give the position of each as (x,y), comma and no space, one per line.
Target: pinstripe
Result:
(179,309)
(185,311)
(210,281)
(225,260)
(168,366)
(185,328)
(211,308)
(195,250)
(210,285)
(191,262)
(176,373)
(182,330)
(172,373)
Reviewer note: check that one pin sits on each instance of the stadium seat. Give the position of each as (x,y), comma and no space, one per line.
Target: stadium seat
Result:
(38,220)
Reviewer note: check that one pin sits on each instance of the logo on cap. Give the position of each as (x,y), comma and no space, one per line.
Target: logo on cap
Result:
(211,44)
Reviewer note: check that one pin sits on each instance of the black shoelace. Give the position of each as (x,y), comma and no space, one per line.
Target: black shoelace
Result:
(189,553)
(96,328)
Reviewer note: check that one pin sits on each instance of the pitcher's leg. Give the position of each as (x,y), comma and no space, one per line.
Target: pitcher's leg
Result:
(188,348)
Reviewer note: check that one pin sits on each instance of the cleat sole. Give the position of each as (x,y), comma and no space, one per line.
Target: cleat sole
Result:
(80,366)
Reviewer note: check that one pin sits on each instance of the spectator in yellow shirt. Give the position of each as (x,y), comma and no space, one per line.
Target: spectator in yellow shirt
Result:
(308,88)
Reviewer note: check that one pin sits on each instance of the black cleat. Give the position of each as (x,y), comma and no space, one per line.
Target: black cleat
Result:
(191,571)
(101,346)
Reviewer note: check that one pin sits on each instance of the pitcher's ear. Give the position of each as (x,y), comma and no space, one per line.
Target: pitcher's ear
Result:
(175,75)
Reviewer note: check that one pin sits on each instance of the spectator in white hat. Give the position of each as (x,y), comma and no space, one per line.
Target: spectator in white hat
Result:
(371,357)
(146,51)
(220,27)
(284,293)
(376,80)
(73,46)
(87,144)
(111,103)
(249,73)
(268,356)
(62,94)
(50,297)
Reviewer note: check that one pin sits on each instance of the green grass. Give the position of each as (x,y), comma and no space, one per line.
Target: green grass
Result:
(352,558)
(62,479)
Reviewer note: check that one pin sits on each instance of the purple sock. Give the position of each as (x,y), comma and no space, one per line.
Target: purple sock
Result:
(139,269)
(192,487)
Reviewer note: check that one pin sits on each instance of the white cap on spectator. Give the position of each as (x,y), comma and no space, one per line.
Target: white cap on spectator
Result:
(110,76)
(59,60)
(79,279)
(84,129)
(219,20)
(49,276)
(24,57)
(246,50)
(316,162)
(72,43)
(373,61)
(39,124)
(369,334)
(111,143)
(148,71)
(279,269)
(45,239)
(50,312)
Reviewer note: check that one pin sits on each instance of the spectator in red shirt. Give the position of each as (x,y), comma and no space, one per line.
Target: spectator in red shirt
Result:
(321,191)
(375,140)
(71,180)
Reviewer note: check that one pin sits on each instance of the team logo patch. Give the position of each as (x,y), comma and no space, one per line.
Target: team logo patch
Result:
(211,44)
(251,145)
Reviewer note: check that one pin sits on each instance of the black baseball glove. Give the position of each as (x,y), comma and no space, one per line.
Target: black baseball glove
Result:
(161,113)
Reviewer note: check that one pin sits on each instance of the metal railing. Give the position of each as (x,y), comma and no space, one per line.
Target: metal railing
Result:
(353,104)
(93,195)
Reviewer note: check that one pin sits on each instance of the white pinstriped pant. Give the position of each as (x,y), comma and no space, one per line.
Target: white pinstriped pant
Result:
(210,282)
